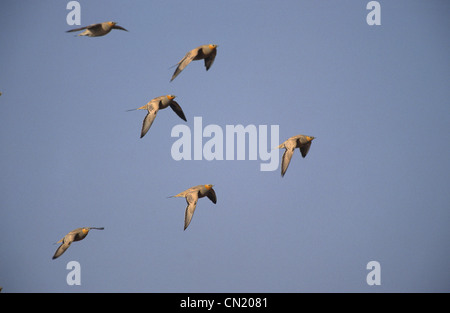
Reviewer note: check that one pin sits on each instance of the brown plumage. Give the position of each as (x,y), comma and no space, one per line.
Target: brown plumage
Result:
(75,235)
(300,141)
(205,52)
(192,195)
(156,104)
(97,30)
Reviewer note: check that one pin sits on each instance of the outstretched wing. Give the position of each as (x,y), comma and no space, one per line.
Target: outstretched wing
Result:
(287,155)
(119,27)
(66,241)
(212,196)
(75,29)
(177,109)
(210,60)
(61,249)
(184,62)
(99,228)
(148,120)
(92,27)
(191,200)
(305,148)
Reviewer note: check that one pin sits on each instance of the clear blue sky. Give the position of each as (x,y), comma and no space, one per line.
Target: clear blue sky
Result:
(374,185)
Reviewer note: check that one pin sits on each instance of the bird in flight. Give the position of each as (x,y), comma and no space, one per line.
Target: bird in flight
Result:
(75,235)
(156,104)
(205,52)
(97,30)
(300,141)
(192,195)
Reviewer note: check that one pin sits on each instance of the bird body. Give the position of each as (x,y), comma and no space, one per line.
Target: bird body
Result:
(205,52)
(97,30)
(156,104)
(299,141)
(192,195)
(75,235)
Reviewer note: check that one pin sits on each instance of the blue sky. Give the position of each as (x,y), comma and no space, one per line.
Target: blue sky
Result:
(374,185)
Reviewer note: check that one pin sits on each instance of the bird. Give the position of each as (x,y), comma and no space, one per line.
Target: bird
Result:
(75,235)
(206,52)
(192,195)
(97,30)
(156,104)
(300,141)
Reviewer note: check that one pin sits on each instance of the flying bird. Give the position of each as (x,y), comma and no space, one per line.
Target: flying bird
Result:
(206,52)
(156,104)
(192,195)
(97,30)
(300,141)
(75,235)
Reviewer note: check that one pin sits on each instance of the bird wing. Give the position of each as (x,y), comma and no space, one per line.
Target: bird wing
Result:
(61,249)
(119,27)
(177,109)
(148,120)
(66,241)
(185,61)
(287,155)
(76,29)
(92,27)
(305,148)
(99,228)
(210,60)
(191,199)
(212,196)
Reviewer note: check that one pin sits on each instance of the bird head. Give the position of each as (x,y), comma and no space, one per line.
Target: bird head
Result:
(85,230)
(111,23)
(170,97)
(213,47)
(310,138)
(208,187)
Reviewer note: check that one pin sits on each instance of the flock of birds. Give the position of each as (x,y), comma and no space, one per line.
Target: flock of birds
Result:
(208,54)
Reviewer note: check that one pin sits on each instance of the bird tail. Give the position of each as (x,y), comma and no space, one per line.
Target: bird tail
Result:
(59,241)
(279,147)
(144,107)
(181,194)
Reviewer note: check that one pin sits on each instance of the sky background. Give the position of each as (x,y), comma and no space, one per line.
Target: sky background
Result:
(374,186)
